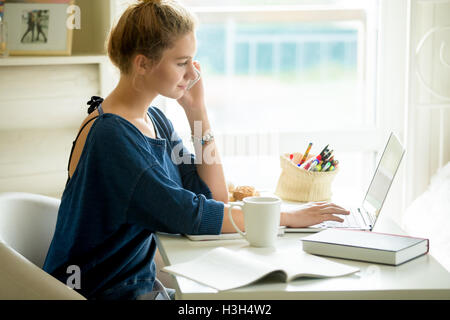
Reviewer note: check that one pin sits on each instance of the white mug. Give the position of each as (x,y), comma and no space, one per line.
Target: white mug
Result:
(261,220)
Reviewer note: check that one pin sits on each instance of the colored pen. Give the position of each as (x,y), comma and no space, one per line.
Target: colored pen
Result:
(313,161)
(306,164)
(317,166)
(328,155)
(324,150)
(326,166)
(314,164)
(306,153)
(291,156)
(335,163)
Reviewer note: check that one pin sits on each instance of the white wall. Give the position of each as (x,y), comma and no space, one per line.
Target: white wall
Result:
(41,108)
(43,101)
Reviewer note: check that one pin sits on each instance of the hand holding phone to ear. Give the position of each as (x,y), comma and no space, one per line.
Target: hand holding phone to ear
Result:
(193,97)
(193,82)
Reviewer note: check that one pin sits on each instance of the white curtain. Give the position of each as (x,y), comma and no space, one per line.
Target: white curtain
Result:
(429,93)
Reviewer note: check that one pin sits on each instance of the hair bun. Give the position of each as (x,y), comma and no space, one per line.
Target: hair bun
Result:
(147,27)
(151,1)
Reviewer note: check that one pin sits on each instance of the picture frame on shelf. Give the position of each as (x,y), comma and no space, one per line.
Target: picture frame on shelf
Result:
(38,27)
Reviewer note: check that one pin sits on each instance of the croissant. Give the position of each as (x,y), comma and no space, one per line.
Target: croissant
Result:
(244,191)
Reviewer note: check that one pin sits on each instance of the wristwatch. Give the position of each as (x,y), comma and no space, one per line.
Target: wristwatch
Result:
(204,139)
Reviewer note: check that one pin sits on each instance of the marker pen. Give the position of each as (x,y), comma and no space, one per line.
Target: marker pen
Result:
(326,166)
(324,150)
(318,166)
(328,155)
(335,163)
(306,153)
(314,164)
(307,164)
(311,161)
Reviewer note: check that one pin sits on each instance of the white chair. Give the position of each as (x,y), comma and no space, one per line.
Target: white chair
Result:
(27,224)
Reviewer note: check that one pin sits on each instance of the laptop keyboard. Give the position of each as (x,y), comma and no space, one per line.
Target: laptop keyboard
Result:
(353,220)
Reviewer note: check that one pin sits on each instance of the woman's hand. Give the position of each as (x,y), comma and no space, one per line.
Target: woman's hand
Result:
(314,213)
(193,98)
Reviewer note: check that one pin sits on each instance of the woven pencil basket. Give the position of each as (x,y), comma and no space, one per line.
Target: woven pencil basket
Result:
(297,184)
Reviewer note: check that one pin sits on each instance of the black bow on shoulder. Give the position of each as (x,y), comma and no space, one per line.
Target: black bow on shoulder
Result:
(94,103)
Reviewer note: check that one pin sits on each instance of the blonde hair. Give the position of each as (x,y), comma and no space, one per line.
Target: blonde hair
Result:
(148,28)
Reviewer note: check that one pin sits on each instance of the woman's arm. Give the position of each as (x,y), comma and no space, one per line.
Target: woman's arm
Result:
(210,167)
(307,215)
(238,218)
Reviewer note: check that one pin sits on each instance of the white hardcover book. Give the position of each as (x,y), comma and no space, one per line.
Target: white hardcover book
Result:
(365,246)
(225,269)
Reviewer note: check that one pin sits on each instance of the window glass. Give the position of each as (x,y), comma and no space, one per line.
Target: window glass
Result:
(285,76)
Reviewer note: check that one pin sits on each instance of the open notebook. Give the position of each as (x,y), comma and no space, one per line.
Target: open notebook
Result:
(225,269)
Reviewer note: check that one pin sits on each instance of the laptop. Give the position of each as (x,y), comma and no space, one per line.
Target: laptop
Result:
(365,216)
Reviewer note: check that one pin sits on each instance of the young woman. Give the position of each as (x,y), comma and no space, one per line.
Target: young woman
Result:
(125,178)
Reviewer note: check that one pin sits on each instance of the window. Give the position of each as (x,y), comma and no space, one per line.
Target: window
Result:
(281,74)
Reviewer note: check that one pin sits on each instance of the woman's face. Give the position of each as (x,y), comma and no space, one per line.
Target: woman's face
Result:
(173,73)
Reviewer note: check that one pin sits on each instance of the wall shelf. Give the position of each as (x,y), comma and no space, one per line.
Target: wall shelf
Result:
(53,60)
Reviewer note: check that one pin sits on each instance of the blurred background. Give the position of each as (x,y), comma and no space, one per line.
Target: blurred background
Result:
(277,74)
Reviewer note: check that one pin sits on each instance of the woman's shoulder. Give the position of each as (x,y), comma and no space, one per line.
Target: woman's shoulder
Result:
(161,119)
(158,114)
(112,123)
(110,129)
(89,119)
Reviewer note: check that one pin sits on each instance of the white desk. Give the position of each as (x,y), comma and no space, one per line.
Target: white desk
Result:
(421,278)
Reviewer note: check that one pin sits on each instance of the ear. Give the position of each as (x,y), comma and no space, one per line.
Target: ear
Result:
(142,64)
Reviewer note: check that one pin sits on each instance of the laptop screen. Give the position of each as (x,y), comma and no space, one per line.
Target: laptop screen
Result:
(383,177)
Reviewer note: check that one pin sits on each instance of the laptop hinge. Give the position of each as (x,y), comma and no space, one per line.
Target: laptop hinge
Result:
(367,223)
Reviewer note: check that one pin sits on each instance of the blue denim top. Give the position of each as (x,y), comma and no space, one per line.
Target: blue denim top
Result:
(127,186)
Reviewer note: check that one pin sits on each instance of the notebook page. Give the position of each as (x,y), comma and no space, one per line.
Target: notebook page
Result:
(221,269)
(225,269)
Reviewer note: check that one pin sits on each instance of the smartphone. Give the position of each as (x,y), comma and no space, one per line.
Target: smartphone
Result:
(196,79)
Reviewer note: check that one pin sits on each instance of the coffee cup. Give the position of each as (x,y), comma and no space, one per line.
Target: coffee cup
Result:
(261,219)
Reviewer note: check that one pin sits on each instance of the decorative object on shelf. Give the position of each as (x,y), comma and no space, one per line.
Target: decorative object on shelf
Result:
(38,27)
